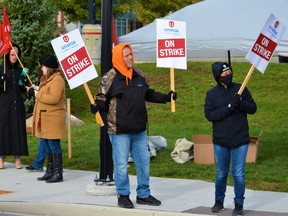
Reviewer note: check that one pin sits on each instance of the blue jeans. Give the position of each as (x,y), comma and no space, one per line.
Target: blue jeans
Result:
(137,144)
(223,156)
(52,145)
(40,158)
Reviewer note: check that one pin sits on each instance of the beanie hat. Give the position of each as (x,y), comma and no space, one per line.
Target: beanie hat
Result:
(218,68)
(50,62)
(42,59)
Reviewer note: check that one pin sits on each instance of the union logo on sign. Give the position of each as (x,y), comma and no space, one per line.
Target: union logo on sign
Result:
(66,38)
(171,24)
(276,24)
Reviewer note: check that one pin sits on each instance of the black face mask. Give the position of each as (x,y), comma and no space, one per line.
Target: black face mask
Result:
(227,80)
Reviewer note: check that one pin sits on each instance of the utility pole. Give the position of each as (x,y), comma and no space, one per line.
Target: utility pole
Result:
(98,39)
(104,182)
(106,163)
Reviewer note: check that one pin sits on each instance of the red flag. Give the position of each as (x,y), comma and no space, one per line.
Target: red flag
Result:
(5,37)
(4,47)
(114,33)
(6,26)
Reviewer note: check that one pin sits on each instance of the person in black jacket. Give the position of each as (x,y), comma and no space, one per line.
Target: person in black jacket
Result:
(123,93)
(227,110)
(13,82)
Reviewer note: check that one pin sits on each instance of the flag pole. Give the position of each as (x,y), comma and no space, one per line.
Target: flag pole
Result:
(69,128)
(246,80)
(4,72)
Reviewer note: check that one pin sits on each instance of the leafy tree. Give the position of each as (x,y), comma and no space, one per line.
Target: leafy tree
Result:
(33,27)
(145,10)
(75,10)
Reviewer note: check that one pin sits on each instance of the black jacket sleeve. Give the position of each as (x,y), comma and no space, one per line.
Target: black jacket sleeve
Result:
(155,97)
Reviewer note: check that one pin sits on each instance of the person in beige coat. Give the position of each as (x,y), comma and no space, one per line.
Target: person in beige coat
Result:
(49,117)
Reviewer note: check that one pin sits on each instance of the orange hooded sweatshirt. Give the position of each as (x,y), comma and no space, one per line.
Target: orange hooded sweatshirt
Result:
(118,63)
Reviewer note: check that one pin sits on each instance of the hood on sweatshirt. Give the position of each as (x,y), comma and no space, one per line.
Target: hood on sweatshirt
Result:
(118,62)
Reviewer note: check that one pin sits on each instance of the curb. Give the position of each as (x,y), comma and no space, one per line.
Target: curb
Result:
(62,209)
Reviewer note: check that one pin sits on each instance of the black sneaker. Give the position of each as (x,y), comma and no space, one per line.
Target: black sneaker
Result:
(150,200)
(238,210)
(31,168)
(124,201)
(218,207)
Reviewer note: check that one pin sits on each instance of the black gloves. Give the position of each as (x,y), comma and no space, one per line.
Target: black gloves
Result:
(93,108)
(2,78)
(168,96)
(236,100)
(31,93)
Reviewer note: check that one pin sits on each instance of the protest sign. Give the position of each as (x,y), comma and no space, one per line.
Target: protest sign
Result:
(74,58)
(171,44)
(171,48)
(76,63)
(261,52)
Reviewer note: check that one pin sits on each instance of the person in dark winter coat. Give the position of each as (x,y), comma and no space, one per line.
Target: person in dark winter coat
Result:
(123,93)
(227,110)
(13,137)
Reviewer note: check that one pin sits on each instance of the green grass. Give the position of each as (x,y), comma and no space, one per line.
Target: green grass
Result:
(269,91)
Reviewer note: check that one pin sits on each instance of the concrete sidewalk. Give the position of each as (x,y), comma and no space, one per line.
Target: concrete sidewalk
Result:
(22,194)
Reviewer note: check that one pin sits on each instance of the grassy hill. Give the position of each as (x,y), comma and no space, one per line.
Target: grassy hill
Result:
(269,91)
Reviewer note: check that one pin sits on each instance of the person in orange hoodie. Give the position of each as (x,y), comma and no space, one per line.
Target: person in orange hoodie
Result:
(122,95)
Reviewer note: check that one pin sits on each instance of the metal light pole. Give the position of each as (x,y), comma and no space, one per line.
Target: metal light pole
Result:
(91,34)
(106,163)
(91,14)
